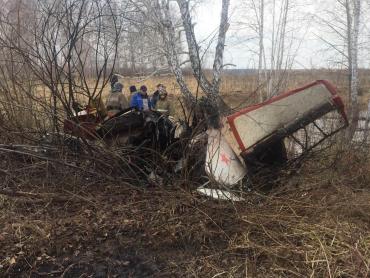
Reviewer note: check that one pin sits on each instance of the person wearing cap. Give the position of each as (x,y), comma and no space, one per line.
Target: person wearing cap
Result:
(155,97)
(113,80)
(133,90)
(140,100)
(116,100)
(163,105)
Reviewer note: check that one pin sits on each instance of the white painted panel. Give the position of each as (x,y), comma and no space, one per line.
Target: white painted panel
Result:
(222,163)
(262,122)
(219,194)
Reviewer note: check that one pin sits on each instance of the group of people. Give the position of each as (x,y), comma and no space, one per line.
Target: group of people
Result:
(138,99)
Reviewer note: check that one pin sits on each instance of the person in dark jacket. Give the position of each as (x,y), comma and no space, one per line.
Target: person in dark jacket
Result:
(113,80)
(163,104)
(133,90)
(140,100)
(116,100)
(160,89)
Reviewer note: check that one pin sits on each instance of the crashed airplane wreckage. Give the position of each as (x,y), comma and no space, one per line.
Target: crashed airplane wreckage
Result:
(261,132)
(258,134)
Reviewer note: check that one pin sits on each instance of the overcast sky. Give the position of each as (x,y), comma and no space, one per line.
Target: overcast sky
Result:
(305,33)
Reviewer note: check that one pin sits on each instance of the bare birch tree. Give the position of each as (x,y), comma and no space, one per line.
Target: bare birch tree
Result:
(272,22)
(353,11)
(211,88)
(162,17)
(344,21)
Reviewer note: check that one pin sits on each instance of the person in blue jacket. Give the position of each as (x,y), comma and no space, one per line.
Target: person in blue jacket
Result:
(133,90)
(140,100)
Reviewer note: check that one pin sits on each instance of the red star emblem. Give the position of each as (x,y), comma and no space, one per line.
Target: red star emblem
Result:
(225,159)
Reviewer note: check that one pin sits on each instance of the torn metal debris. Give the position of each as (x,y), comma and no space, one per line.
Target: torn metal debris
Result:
(259,132)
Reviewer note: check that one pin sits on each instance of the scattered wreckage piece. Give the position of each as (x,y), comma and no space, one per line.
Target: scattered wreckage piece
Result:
(219,194)
(256,134)
(128,127)
(83,124)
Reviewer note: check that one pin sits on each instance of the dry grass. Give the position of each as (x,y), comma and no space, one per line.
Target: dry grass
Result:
(314,224)
(59,220)
(237,90)
(241,89)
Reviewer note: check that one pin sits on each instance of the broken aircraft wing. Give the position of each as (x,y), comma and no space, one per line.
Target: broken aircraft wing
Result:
(259,126)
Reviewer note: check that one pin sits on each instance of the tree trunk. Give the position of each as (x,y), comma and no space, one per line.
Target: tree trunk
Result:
(218,62)
(353,28)
(193,46)
(261,48)
(169,37)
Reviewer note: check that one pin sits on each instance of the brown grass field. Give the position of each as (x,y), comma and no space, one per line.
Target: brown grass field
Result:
(240,90)
(64,219)
(237,90)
